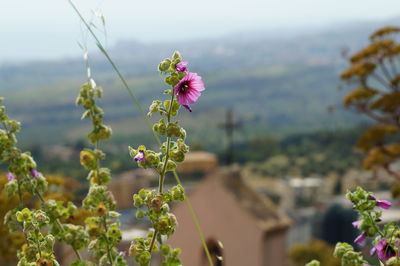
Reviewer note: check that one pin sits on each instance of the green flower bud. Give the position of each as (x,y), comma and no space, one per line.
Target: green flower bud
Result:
(171,166)
(313,263)
(137,201)
(104,175)
(105,132)
(173,130)
(165,249)
(143,193)
(132,249)
(178,156)
(164,65)
(154,107)
(143,258)
(176,55)
(88,159)
(11,188)
(165,208)
(139,214)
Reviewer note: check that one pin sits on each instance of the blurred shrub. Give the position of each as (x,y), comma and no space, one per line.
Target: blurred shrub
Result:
(316,249)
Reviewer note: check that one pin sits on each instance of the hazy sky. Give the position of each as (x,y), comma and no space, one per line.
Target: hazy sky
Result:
(35,29)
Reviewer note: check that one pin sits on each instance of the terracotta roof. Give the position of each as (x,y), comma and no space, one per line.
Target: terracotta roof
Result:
(266,213)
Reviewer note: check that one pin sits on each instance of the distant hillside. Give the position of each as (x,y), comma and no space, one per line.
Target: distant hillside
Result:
(275,85)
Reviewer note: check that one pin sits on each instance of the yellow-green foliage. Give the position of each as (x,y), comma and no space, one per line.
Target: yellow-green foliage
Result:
(376,93)
(316,249)
(60,189)
(9,242)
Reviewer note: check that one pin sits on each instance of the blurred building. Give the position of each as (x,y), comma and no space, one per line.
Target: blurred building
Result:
(128,183)
(198,161)
(251,228)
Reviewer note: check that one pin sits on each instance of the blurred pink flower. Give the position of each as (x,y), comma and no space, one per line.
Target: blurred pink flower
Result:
(139,156)
(10,176)
(181,67)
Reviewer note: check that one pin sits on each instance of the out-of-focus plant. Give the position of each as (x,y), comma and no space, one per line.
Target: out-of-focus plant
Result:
(317,249)
(385,237)
(54,219)
(374,75)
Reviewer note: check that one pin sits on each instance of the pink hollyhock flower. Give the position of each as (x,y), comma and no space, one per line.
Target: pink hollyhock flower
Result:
(10,176)
(360,239)
(34,173)
(188,89)
(181,67)
(140,156)
(383,249)
(384,204)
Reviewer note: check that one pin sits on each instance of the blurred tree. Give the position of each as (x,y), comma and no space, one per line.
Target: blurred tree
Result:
(375,78)
(316,249)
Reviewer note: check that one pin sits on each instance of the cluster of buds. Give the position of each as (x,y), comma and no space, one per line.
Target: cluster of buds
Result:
(348,255)
(185,89)
(103,227)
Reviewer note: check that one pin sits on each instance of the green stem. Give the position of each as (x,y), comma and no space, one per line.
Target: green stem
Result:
(153,240)
(139,106)
(109,255)
(374,224)
(162,174)
(38,244)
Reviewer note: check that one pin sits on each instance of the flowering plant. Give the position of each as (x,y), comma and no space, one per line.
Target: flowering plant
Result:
(385,238)
(101,232)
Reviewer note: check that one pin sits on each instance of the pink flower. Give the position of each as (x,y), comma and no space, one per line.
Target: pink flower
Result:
(384,204)
(181,67)
(10,176)
(383,249)
(188,89)
(356,224)
(360,239)
(34,173)
(140,156)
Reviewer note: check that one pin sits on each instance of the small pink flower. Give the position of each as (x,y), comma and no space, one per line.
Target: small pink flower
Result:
(181,67)
(10,176)
(188,90)
(384,204)
(34,173)
(356,224)
(140,156)
(360,239)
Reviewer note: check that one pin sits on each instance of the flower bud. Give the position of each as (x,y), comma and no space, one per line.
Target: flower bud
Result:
(176,55)
(88,159)
(173,130)
(156,202)
(101,210)
(164,65)
(132,249)
(139,214)
(178,156)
